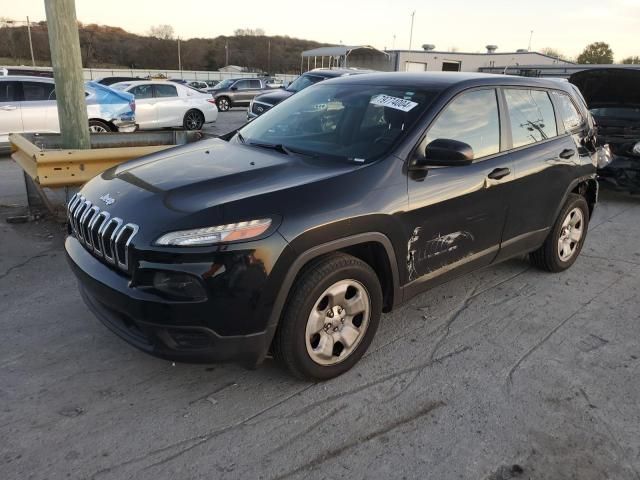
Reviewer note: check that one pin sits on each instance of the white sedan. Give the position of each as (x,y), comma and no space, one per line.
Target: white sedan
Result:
(161,104)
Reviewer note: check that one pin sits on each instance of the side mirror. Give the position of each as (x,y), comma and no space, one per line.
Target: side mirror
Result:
(444,152)
(233,88)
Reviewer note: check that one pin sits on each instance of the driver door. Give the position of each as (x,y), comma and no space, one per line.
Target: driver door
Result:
(456,214)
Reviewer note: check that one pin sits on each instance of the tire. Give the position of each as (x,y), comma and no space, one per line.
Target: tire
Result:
(193,120)
(224,104)
(554,257)
(314,346)
(98,126)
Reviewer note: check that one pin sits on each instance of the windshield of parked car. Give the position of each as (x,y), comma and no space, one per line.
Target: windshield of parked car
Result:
(618,113)
(352,121)
(224,84)
(303,81)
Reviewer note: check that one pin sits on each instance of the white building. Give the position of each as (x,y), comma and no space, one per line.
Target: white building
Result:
(429,60)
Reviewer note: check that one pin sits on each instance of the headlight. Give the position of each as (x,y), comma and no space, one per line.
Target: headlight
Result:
(212,235)
(604,156)
(636,149)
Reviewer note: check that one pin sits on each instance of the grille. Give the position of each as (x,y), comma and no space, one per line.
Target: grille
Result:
(106,237)
(260,107)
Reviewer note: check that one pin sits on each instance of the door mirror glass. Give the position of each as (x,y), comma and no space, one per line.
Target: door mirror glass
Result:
(445,152)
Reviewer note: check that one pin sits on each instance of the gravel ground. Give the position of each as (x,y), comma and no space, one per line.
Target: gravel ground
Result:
(506,373)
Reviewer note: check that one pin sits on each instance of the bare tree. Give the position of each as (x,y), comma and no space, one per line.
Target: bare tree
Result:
(249,32)
(163,32)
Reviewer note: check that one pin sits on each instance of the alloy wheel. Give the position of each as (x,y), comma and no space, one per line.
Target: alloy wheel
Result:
(338,322)
(570,234)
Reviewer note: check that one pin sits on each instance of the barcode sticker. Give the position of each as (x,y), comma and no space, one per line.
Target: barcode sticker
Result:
(393,102)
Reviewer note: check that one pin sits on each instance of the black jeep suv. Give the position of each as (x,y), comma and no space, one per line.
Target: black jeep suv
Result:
(291,235)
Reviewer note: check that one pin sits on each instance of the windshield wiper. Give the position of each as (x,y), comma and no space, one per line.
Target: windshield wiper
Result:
(278,147)
(240,137)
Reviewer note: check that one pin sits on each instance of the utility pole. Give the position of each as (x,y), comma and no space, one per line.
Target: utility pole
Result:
(530,38)
(67,73)
(179,59)
(33,60)
(226,53)
(393,45)
(269,58)
(413,14)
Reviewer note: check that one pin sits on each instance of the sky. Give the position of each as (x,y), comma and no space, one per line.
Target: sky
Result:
(567,25)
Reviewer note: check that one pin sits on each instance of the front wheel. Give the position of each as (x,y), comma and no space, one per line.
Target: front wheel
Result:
(193,120)
(331,317)
(564,243)
(98,126)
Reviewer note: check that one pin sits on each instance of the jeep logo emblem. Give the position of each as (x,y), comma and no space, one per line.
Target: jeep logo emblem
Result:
(108,199)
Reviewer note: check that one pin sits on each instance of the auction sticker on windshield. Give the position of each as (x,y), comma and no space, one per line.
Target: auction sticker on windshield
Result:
(393,102)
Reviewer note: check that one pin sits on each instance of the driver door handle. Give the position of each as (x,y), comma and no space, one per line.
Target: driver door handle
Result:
(499,173)
(8,107)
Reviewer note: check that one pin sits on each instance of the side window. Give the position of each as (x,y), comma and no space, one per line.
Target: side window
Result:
(37,91)
(255,84)
(471,118)
(163,91)
(8,91)
(570,115)
(142,91)
(532,116)
(242,84)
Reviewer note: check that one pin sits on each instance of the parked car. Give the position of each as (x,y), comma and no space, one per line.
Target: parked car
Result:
(199,85)
(112,80)
(162,104)
(613,96)
(264,102)
(238,92)
(292,234)
(28,104)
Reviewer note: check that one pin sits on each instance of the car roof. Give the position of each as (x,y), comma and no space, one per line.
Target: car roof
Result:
(336,72)
(141,82)
(444,80)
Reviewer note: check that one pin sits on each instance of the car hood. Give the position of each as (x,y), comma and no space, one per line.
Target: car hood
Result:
(609,87)
(273,98)
(206,175)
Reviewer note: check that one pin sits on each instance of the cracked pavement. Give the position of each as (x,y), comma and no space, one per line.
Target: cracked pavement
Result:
(508,372)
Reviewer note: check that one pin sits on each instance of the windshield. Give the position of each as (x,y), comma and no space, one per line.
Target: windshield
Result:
(618,113)
(224,84)
(303,81)
(357,122)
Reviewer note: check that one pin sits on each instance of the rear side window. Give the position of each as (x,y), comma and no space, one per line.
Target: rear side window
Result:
(166,91)
(37,91)
(142,91)
(255,84)
(571,118)
(471,118)
(8,91)
(532,116)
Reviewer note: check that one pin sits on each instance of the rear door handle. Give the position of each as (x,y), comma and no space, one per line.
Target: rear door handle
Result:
(8,107)
(499,173)
(567,153)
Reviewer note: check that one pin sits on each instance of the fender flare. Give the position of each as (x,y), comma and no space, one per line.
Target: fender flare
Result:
(314,252)
(572,186)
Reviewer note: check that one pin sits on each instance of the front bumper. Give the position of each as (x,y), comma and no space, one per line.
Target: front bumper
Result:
(166,329)
(125,126)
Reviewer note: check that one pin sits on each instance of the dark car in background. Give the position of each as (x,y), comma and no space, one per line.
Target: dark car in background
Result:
(266,101)
(238,92)
(613,97)
(111,80)
(292,234)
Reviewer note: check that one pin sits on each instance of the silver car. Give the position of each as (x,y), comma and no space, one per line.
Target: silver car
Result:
(28,104)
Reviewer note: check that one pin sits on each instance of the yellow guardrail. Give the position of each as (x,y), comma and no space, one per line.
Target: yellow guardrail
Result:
(61,168)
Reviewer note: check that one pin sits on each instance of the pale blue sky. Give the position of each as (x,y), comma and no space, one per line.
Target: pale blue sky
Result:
(566,25)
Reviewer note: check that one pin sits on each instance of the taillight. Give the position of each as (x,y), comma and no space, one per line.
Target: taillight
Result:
(211,100)
(132,104)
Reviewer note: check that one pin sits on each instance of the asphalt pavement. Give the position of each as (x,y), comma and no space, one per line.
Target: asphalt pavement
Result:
(506,373)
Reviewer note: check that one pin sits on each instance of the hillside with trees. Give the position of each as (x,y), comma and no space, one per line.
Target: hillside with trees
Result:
(105,46)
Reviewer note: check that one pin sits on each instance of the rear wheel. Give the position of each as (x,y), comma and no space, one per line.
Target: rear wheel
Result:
(330,319)
(223,104)
(564,243)
(98,126)
(193,120)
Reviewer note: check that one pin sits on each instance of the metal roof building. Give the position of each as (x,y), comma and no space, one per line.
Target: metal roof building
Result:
(345,56)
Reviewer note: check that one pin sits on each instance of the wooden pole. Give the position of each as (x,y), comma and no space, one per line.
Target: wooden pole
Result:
(67,71)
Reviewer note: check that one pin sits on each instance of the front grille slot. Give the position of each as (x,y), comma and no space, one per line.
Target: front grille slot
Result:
(105,236)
